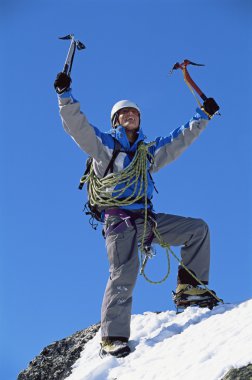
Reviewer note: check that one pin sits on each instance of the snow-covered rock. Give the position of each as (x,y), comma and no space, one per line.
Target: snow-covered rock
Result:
(196,344)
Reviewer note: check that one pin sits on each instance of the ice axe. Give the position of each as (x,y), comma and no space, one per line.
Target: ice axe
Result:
(70,55)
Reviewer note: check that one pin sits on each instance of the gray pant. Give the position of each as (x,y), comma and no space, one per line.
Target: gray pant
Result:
(122,248)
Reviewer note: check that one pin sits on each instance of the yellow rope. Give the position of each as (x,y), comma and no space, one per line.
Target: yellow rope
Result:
(168,248)
(135,174)
(144,262)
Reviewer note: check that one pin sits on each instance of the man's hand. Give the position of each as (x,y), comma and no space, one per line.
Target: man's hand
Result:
(210,106)
(62,83)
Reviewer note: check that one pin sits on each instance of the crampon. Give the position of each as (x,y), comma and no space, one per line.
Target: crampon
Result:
(182,303)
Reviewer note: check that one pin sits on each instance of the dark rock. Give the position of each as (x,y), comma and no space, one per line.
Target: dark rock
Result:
(55,361)
(243,373)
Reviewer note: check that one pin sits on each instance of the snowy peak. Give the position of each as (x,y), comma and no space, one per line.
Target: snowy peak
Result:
(196,344)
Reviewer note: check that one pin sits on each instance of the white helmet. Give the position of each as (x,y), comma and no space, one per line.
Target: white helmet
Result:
(118,106)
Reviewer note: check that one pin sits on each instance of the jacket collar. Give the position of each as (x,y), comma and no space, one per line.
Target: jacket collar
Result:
(120,134)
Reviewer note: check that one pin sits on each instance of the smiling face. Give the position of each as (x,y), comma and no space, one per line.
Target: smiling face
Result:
(129,118)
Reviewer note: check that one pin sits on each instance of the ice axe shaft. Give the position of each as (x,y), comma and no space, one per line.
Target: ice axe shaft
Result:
(187,77)
(71,52)
(69,59)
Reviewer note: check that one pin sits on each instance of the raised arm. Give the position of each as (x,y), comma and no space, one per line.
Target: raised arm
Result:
(90,139)
(169,148)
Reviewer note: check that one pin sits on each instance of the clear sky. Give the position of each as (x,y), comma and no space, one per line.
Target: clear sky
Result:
(53,265)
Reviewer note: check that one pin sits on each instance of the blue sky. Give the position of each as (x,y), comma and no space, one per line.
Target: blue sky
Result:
(53,265)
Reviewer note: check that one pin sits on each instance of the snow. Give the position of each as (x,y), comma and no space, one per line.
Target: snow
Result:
(196,344)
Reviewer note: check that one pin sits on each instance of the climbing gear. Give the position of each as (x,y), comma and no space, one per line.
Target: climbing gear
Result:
(116,228)
(135,173)
(127,219)
(148,251)
(191,84)
(116,151)
(116,348)
(120,105)
(70,56)
(188,295)
(92,209)
(190,292)
(168,249)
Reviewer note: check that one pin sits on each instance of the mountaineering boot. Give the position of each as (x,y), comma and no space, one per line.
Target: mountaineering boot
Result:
(187,291)
(116,348)
(191,293)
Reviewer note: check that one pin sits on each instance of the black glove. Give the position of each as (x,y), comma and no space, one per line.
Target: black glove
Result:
(62,83)
(210,106)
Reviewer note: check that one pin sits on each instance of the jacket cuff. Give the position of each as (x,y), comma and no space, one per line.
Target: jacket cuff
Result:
(201,114)
(66,96)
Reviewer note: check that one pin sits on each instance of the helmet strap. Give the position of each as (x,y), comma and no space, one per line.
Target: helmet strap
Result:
(115,121)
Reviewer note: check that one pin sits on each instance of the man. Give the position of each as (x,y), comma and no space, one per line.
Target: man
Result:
(124,226)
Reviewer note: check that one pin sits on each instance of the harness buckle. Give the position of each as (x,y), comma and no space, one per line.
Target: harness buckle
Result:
(127,221)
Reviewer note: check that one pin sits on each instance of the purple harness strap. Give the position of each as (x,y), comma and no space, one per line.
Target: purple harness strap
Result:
(118,227)
(126,217)
(116,212)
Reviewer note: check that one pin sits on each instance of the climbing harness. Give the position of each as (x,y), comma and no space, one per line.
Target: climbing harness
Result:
(108,192)
(190,82)
(136,174)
